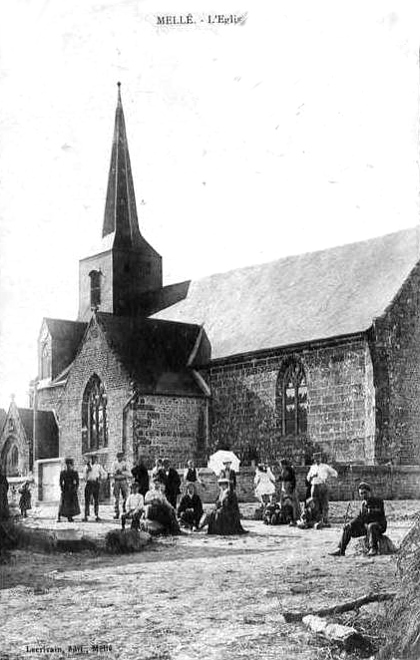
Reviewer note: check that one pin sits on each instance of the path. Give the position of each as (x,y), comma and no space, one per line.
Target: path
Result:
(185,598)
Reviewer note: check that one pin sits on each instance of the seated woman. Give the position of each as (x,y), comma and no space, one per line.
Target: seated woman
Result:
(190,508)
(225,518)
(159,515)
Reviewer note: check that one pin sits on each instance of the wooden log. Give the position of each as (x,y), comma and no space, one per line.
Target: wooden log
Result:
(289,617)
(347,637)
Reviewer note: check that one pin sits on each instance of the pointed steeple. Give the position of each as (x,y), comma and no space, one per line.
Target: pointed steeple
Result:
(120,207)
(125,266)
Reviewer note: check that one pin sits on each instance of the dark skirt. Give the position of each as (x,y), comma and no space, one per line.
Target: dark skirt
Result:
(165,516)
(69,504)
(25,500)
(226,519)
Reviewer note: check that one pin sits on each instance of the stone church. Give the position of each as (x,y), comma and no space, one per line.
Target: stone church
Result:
(314,351)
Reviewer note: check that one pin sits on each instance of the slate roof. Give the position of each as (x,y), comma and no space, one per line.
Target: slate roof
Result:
(3,417)
(62,329)
(296,299)
(46,425)
(155,353)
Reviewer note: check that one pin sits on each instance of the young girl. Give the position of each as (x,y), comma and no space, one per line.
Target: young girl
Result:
(25,499)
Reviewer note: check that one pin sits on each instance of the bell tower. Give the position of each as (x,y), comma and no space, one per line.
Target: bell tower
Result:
(126,266)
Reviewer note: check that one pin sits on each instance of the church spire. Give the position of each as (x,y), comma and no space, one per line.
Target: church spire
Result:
(120,207)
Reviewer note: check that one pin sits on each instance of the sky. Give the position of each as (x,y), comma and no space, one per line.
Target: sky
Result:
(293,130)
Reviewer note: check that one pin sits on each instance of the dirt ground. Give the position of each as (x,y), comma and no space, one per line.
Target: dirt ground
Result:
(188,597)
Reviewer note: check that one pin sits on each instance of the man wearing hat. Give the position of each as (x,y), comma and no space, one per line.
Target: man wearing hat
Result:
(120,474)
(172,482)
(93,474)
(369,522)
(318,476)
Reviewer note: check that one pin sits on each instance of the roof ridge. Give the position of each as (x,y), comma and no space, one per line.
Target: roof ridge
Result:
(300,254)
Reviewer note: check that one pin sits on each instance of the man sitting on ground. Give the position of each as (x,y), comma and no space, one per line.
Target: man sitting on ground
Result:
(271,512)
(370,522)
(134,507)
(190,508)
(312,513)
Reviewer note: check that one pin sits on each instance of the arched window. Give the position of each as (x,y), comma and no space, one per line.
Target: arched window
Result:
(45,361)
(292,399)
(9,458)
(14,460)
(94,416)
(95,288)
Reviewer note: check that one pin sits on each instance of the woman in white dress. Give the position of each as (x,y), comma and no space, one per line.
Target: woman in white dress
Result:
(264,482)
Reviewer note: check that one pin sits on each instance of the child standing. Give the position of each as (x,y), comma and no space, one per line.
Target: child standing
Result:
(25,499)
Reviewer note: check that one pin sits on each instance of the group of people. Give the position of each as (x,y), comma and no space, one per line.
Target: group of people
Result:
(151,503)
(286,509)
(370,522)
(158,511)
(94,474)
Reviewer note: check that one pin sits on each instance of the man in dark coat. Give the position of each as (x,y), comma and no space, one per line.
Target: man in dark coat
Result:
(141,476)
(369,522)
(190,508)
(172,483)
(287,478)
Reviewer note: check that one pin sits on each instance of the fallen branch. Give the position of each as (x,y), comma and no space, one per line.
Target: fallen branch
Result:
(338,609)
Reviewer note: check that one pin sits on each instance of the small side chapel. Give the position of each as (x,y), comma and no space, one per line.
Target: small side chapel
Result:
(313,351)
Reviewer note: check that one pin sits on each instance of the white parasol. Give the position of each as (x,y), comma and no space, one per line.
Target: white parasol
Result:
(217,460)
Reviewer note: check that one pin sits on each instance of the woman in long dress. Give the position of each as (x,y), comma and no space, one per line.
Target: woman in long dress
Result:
(264,482)
(69,484)
(225,518)
(159,512)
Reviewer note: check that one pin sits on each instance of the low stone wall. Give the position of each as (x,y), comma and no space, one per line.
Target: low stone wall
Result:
(397,482)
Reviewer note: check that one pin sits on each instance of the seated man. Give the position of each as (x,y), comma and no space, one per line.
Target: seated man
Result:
(370,522)
(311,516)
(134,508)
(286,508)
(271,512)
(190,508)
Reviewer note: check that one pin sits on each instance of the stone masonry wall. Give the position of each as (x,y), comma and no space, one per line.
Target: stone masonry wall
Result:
(48,398)
(341,399)
(400,482)
(95,356)
(174,427)
(396,344)
(168,426)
